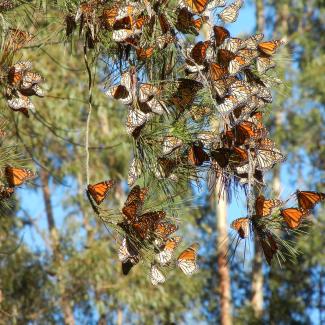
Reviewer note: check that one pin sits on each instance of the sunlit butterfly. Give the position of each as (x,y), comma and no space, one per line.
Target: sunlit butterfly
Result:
(253,41)
(186,261)
(156,275)
(293,216)
(164,229)
(241,225)
(168,249)
(16,176)
(230,13)
(266,158)
(217,71)
(199,52)
(136,121)
(264,63)
(308,199)
(228,104)
(270,47)
(263,207)
(100,190)
(233,44)
(195,6)
(108,17)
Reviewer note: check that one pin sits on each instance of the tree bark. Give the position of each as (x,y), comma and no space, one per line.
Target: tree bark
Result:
(55,245)
(119,316)
(223,266)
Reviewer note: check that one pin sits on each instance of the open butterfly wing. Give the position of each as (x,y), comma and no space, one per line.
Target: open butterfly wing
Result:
(100,190)
(293,216)
(17,176)
(308,199)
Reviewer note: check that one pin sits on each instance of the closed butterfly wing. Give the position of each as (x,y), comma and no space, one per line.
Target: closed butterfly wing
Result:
(186,261)
(136,121)
(196,155)
(263,207)
(170,144)
(230,13)
(269,247)
(233,44)
(134,202)
(156,276)
(264,63)
(228,104)
(147,223)
(120,93)
(199,51)
(168,250)
(253,41)
(293,216)
(128,251)
(100,190)
(221,156)
(17,176)
(220,35)
(217,71)
(164,229)
(144,53)
(241,225)
(266,158)
(308,199)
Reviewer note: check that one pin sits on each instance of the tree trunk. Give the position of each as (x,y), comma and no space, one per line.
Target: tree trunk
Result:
(55,245)
(260,17)
(223,266)
(119,316)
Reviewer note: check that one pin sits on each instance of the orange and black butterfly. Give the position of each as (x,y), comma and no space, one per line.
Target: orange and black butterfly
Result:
(241,225)
(199,52)
(16,176)
(243,132)
(220,35)
(186,261)
(196,154)
(146,224)
(185,93)
(167,250)
(164,229)
(100,190)
(239,155)
(263,207)
(270,47)
(217,71)
(221,156)
(186,22)
(308,199)
(195,6)
(144,53)
(293,216)
(134,203)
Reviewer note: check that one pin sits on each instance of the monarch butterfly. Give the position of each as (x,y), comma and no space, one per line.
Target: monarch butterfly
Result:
(269,247)
(233,44)
(165,167)
(217,71)
(221,86)
(147,91)
(225,56)
(195,6)
(244,131)
(134,202)
(239,155)
(221,156)
(100,190)
(166,254)
(6,192)
(30,79)
(170,144)
(266,158)
(241,225)
(199,112)
(134,172)
(308,199)
(163,40)
(252,42)
(186,23)
(147,223)
(108,17)
(230,13)
(164,24)
(270,47)
(156,276)
(20,104)
(136,121)
(16,176)
(241,90)
(242,59)
(186,261)
(144,54)
(264,63)
(128,251)
(199,51)
(220,34)
(185,93)
(164,229)
(196,154)
(228,104)
(293,216)
(263,208)
(120,93)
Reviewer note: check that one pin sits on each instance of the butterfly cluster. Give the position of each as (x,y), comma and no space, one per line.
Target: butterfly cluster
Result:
(264,223)
(22,83)
(146,236)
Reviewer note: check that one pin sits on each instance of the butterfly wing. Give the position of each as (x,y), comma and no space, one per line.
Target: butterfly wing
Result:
(293,216)
(156,276)
(308,199)
(16,176)
(186,261)
(100,190)
(168,249)
(264,207)
(241,225)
